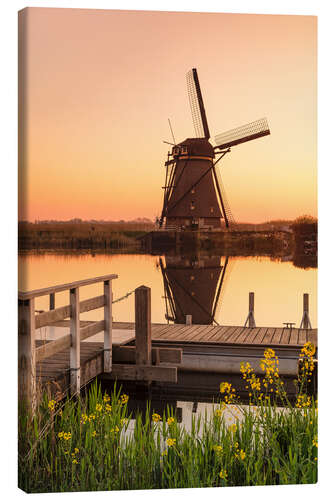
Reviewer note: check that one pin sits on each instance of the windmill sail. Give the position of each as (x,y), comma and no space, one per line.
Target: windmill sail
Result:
(245,133)
(196,104)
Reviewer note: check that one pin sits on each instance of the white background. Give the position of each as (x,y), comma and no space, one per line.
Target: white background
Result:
(8,286)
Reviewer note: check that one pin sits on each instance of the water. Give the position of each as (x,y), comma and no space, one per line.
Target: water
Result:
(211,288)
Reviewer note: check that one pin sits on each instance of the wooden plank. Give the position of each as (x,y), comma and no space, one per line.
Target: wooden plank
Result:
(301,336)
(92,329)
(61,313)
(312,337)
(187,332)
(53,347)
(235,334)
(223,333)
(48,317)
(200,335)
(27,352)
(67,286)
(293,336)
(74,353)
(126,354)
(108,326)
(143,325)
(261,335)
(170,331)
(285,337)
(143,373)
(269,335)
(277,336)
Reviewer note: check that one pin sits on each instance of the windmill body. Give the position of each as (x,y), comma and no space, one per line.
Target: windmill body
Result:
(198,204)
(194,197)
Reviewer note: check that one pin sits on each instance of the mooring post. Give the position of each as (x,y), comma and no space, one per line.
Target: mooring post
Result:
(305,322)
(52,301)
(250,317)
(74,355)
(26,353)
(143,326)
(108,326)
(189,319)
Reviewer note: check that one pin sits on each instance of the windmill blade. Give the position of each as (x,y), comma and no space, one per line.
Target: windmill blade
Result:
(196,104)
(246,133)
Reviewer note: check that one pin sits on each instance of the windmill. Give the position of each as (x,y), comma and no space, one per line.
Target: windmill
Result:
(194,196)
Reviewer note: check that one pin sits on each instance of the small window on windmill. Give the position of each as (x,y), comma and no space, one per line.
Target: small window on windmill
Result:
(183,150)
(192,207)
(211,210)
(192,191)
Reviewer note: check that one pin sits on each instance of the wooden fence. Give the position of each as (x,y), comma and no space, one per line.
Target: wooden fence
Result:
(28,322)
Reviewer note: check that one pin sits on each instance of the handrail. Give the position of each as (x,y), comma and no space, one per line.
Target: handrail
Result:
(28,322)
(67,286)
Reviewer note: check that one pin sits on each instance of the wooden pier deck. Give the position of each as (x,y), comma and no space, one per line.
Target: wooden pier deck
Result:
(54,372)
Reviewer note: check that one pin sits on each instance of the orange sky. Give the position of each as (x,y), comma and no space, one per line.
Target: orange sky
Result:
(100,86)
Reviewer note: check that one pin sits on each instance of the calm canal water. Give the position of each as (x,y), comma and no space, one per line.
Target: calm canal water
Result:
(211,288)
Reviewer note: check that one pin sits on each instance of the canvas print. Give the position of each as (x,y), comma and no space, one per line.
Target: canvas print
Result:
(167,297)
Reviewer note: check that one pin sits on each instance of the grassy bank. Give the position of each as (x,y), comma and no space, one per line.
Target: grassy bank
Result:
(81,235)
(89,444)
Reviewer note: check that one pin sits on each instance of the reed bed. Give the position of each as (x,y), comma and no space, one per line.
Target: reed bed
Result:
(93,443)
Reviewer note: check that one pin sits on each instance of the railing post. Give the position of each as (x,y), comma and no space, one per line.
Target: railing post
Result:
(305,322)
(108,326)
(250,317)
(143,325)
(188,319)
(52,301)
(74,363)
(26,352)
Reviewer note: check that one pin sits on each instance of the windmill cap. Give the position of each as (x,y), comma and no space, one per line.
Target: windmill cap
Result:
(198,147)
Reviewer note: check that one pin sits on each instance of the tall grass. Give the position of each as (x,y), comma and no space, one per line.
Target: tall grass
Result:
(95,444)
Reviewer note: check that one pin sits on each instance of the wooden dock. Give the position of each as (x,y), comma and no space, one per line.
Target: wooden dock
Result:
(151,352)
(54,372)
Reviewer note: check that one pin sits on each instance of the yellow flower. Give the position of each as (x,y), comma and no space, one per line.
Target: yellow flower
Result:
(76,450)
(75,461)
(106,398)
(217,448)
(123,399)
(170,442)
(94,433)
(60,434)
(108,407)
(156,417)
(99,407)
(123,421)
(92,417)
(170,421)
(218,413)
(67,435)
(242,454)
(52,404)
(223,474)
(233,428)
(309,349)
(84,418)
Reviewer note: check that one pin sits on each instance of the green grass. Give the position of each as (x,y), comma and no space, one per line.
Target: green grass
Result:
(268,445)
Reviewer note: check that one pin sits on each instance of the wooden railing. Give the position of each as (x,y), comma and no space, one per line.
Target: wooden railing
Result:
(29,355)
